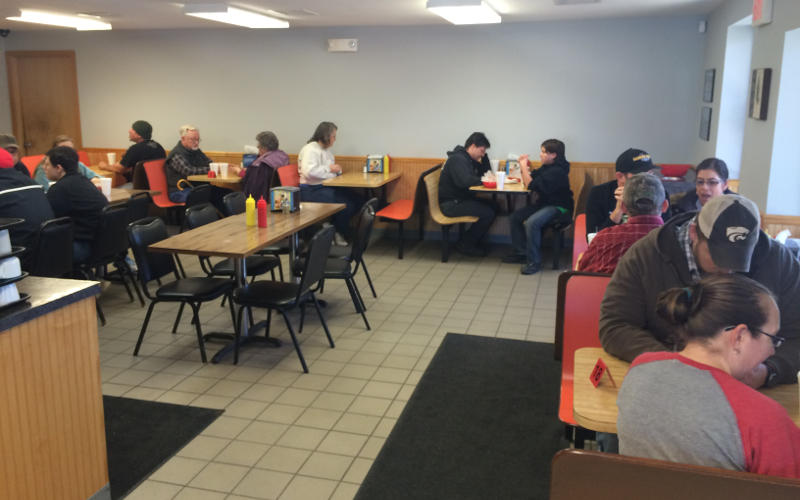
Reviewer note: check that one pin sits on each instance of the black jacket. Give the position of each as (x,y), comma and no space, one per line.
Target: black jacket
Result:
(688,202)
(601,203)
(460,172)
(551,184)
(21,197)
(76,197)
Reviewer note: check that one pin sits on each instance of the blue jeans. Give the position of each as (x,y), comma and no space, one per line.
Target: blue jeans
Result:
(179,196)
(327,194)
(526,230)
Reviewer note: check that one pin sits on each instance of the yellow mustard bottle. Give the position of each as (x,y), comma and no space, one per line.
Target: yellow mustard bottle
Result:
(250,211)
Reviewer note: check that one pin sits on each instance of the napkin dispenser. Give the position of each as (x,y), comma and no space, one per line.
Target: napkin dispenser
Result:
(284,196)
(377,164)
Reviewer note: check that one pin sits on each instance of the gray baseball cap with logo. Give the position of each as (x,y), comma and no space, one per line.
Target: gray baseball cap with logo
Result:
(730,223)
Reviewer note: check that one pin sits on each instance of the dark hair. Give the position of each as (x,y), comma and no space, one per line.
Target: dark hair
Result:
(554,146)
(716,165)
(64,156)
(323,133)
(478,139)
(267,140)
(703,309)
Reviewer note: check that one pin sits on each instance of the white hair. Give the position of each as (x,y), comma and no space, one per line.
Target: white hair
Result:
(185,129)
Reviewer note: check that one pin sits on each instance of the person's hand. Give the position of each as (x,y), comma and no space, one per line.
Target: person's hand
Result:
(616,214)
(524,161)
(336,169)
(234,170)
(757,377)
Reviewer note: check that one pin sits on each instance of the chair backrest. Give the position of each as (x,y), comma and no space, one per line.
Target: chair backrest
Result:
(200,215)
(608,476)
(421,191)
(152,265)
(431,178)
(314,268)
(139,177)
(199,195)
(233,203)
(110,239)
(363,232)
(83,157)
(52,253)
(579,244)
(674,169)
(582,196)
(157,179)
(31,162)
(138,206)
(289,175)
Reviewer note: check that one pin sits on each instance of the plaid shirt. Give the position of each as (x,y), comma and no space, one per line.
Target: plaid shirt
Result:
(686,244)
(612,242)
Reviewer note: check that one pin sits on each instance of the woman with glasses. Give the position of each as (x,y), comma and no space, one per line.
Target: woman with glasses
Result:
(712,180)
(690,406)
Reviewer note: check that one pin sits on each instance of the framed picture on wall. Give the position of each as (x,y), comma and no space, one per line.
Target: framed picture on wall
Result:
(708,86)
(705,123)
(759,93)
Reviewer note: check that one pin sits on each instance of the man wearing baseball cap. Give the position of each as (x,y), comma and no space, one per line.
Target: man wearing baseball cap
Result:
(724,237)
(9,143)
(144,148)
(604,205)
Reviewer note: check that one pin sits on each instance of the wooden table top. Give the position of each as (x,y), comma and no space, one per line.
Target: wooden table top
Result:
(362,180)
(516,187)
(120,195)
(230,182)
(231,237)
(596,408)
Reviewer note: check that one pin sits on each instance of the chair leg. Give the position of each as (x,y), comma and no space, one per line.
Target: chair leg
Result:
(400,240)
(322,320)
(302,317)
(280,267)
(200,342)
(294,341)
(178,318)
(369,280)
(180,266)
(233,312)
(125,284)
(269,320)
(445,243)
(100,312)
(237,329)
(357,301)
(144,328)
(136,287)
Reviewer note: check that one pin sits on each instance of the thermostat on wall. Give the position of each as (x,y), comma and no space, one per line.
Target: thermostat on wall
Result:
(342,44)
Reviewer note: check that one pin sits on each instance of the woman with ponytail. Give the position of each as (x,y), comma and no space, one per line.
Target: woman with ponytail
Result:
(690,406)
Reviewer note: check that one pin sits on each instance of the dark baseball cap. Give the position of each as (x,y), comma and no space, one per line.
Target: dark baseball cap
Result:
(730,223)
(635,161)
(643,194)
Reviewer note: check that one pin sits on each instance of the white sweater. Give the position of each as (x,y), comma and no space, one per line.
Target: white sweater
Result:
(314,163)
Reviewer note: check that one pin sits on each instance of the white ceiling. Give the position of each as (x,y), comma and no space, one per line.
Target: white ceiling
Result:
(162,14)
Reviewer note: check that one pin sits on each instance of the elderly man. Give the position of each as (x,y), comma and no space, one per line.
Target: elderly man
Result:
(144,148)
(644,200)
(9,143)
(464,167)
(723,237)
(185,159)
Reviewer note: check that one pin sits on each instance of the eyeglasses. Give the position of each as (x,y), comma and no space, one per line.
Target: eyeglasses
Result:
(710,182)
(777,340)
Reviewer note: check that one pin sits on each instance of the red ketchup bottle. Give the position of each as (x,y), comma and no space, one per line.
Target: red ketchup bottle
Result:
(261,208)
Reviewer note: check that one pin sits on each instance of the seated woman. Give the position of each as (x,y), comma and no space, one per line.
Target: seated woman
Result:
(258,176)
(552,197)
(316,163)
(712,180)
(692,406)
(63,140)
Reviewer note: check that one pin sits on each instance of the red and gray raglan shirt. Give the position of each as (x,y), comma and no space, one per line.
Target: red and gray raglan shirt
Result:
(672,408)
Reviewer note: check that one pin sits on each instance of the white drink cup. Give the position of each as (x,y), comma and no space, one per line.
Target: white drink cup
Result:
(501,180)
(112,158)
(105,187)
(215,168)
(494,164)
(223,170)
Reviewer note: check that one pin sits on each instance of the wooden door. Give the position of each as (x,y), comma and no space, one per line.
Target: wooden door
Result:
(43,88)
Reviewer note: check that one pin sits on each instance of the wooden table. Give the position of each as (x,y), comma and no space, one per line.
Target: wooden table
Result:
(233,182)
(231,237)
(596,408)
(363,180)
(516,188)
(120,195)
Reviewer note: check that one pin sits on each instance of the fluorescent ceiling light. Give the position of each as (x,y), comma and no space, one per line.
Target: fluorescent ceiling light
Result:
(80,23)
(464,11)
(231,15)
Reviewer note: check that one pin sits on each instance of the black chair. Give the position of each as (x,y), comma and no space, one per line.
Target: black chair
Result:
(138,206)
(155,266)
(110,246)
(139,177)
(347,252)
(233,204)
(283,296)
(200,215)
(51,255)
(199,194)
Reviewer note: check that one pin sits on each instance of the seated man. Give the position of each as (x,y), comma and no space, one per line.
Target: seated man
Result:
(643,200)
(74,196)
(9,143)
(64,140)
(604,204)
(143,149)
(723,237)
(552,197)
(21,197)
(464,168)
(185,159)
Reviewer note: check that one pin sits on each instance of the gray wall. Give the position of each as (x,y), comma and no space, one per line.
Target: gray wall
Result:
(602,86)
(767,53)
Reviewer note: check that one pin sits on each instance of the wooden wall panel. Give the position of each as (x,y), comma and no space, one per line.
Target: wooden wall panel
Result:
(774,224)
(52,437)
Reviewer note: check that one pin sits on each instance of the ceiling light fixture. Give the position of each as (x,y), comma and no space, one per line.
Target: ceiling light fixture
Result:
(80,23)
(232,15)
(464,11)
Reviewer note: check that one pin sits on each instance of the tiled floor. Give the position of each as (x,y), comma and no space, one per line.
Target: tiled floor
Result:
(288,435)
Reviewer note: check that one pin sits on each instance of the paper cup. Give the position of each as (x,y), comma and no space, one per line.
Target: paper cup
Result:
(112,158)
(105,186)
(215,168)
(501,180)
(494,164)
(223,170)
